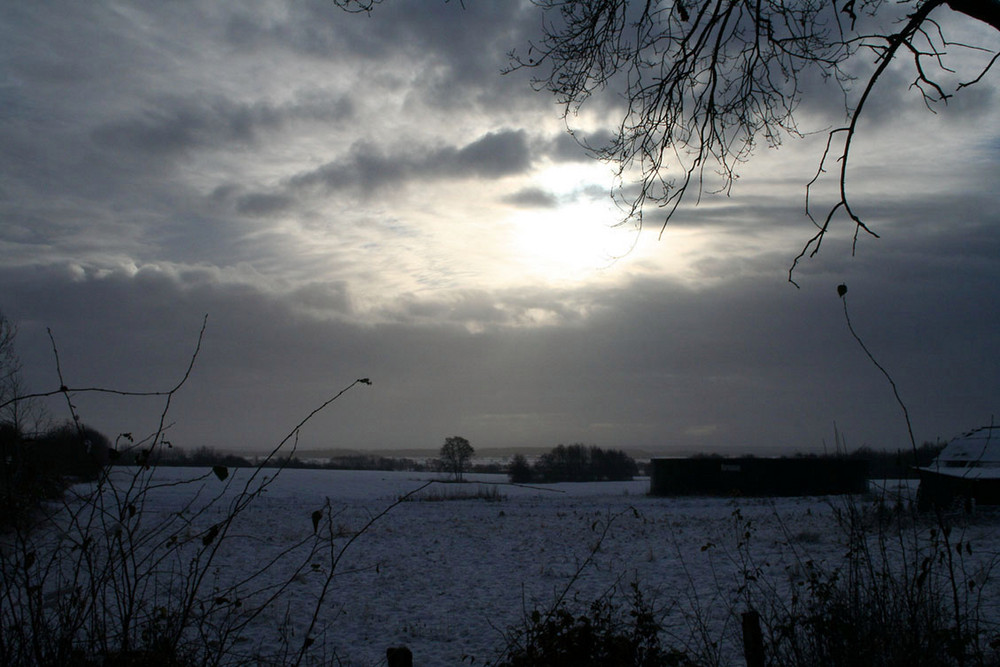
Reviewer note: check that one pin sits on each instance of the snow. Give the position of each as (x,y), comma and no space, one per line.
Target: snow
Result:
(974,455)
(447,577)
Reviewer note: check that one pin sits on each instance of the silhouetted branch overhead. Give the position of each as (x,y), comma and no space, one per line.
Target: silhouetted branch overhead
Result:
(700,84)
(704,82)
(987,11)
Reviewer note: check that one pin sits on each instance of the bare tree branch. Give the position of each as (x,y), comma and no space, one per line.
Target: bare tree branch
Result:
(705,81)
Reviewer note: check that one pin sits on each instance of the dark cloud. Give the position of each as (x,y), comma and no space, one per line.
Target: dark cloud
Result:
(460,51)
(726,366)
(175,125)
(494,155)
(164,130)
(260,204)
(532,198)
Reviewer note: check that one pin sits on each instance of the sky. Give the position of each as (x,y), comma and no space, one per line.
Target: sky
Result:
(368,196)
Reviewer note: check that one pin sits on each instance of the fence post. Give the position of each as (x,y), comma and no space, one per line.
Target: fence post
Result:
(753,640)
(399,656)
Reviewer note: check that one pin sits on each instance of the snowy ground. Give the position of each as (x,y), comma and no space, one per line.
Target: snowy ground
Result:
(447,577)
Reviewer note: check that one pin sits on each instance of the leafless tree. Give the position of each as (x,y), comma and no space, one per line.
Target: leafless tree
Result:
(10,365)
(101,576)
(704,82)
(20,413)
(455,454)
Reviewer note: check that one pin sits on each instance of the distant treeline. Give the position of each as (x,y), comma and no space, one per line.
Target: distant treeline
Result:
(202,456)
(564,463)
(208,456)
(898,464)
(574,463)
(881,465)
(79,452)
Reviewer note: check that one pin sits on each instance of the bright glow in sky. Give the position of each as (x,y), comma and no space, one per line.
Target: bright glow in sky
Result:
(571,243)
(581,236)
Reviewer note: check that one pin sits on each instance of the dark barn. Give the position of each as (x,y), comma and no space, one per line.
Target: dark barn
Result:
(716,476)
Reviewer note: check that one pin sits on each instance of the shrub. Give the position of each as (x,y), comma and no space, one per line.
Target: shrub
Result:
(901,596)
(33,470)
(104,579)
(519,470)
(74,451)
(605,635)
(489,493)
(23,484)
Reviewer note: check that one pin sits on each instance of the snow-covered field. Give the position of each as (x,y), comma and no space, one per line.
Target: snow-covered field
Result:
(445,578)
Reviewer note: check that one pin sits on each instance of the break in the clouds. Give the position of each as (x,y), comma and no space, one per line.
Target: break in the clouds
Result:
(368,196)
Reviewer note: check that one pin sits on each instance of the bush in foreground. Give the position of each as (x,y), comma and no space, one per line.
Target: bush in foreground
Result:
(38,469)
(905,593)
(607,634)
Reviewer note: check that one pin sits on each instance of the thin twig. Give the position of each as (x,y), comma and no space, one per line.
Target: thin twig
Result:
(842,290)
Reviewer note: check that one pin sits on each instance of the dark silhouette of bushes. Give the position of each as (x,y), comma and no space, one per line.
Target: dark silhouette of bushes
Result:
(608,634)
(575,463)
(22,487)
(36,469)
(75,452)
(899,464)
(519,470)
(903,594)
(202,456)
(209,456)
(99,581)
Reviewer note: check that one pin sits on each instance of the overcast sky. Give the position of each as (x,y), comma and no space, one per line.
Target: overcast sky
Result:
(353,196)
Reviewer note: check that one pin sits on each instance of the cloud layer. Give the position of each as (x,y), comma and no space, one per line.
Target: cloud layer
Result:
(367,196)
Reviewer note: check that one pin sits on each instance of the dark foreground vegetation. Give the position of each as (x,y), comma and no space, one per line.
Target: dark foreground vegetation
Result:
(38,468)
(903,595)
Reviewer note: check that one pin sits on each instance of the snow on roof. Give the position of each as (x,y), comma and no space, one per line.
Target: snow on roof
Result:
(975,454)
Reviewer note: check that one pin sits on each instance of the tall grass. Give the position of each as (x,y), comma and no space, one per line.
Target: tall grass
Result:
(101,576)
(907,590)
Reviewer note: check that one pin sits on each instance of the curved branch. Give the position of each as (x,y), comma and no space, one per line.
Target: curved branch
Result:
(66,390)
(886,55)
(842,290)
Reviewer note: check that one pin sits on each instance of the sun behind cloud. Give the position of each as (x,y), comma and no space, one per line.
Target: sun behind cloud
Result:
(569,243)
(577,234)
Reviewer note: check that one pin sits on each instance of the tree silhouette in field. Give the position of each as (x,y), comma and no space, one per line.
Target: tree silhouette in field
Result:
(704,82)
(455,454)
(519,470)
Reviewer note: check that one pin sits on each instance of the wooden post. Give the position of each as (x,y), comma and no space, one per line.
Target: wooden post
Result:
(399,656)
(753,640)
